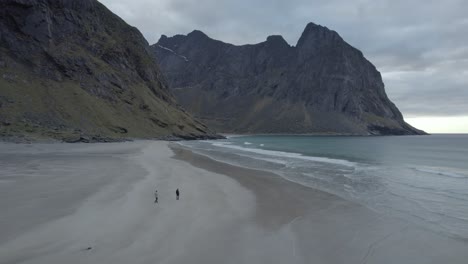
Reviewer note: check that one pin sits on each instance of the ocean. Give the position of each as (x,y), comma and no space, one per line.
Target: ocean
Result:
(423,179)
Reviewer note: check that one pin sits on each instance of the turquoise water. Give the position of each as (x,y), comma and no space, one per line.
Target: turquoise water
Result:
(420,178)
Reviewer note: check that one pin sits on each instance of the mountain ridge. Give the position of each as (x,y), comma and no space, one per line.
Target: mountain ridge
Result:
(322,85)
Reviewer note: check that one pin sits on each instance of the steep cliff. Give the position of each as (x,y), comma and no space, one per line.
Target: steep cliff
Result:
(321,85)
(71,69)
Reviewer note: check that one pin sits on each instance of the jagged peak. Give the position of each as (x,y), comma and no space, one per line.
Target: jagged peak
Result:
(162,39)
(315,31)
(277,39)
(312,25)
(170,42)
(197,33)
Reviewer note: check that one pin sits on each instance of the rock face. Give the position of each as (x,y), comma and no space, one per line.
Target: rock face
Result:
(322,85)
(72,70)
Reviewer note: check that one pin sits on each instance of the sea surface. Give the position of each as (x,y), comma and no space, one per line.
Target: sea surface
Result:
(423,179)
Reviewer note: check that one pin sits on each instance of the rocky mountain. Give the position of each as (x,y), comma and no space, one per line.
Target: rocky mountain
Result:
(321,85)
(72,70)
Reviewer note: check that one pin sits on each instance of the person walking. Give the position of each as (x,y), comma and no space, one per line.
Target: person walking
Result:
(177,194)
(156,196)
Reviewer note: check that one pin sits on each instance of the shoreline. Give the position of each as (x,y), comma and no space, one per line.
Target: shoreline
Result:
(227,135)
(38,138)
(34,139)
(329,228)
(291,199)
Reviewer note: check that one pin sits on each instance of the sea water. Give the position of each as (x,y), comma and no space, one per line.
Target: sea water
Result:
(423,179)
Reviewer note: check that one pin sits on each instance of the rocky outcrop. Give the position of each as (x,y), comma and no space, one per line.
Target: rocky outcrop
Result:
(321,85)
(72,70)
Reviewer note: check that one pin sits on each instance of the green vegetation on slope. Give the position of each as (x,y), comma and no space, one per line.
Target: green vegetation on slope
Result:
(81,72)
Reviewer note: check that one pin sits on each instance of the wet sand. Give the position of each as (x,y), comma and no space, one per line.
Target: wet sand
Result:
(59,200)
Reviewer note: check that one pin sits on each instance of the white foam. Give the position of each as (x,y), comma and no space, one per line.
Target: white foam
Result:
(277,161)
(439,171)
(286,154)
(247,143)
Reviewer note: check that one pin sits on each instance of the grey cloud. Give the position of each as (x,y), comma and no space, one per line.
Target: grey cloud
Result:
(432,102)
(437,91)
(419,46)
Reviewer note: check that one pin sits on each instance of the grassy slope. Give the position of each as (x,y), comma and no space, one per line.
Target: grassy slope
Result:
(44,108)
(77,102)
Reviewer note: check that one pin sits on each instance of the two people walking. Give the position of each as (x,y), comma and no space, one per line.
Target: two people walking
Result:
(156,195)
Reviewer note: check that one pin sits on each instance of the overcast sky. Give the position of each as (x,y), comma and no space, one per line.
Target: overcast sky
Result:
(419,46)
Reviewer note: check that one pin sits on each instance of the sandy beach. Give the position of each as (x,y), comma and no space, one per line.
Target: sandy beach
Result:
(82,203)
